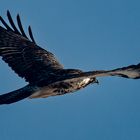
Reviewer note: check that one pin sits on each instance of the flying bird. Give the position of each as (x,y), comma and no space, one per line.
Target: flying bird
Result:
(39,67)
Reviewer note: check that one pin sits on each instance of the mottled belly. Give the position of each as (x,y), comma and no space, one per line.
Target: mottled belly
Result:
(62,87)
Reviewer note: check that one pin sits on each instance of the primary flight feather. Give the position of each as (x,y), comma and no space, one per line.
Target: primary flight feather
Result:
(39,67)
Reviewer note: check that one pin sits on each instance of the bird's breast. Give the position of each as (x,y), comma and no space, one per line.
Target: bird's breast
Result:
(62,87)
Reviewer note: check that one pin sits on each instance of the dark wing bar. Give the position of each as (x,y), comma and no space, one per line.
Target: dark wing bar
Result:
(131,71)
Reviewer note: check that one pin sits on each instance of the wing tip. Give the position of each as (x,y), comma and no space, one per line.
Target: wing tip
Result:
(14,28)
(31,34)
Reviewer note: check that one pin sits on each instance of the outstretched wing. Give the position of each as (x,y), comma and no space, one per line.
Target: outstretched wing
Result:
(132,72)
(23,55)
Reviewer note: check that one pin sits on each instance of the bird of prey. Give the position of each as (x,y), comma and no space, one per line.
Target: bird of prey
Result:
(39,67)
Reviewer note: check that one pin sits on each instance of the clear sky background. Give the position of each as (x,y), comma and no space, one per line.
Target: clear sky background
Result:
(84,34)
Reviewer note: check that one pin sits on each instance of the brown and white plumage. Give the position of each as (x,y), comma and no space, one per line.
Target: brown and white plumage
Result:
(46,76)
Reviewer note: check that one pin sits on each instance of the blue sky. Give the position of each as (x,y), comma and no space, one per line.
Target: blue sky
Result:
(84,34)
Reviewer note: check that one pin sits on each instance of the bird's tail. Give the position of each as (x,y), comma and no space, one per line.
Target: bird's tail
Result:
(17,95)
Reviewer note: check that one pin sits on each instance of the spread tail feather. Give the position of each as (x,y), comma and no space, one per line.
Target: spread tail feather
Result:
(17,95)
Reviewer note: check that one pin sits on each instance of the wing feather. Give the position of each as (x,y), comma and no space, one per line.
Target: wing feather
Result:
(31,34)
(12,23)
(132,72)
(20,26)
(5,24)
(26,58)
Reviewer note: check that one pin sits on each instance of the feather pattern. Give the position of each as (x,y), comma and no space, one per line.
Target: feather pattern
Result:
(12,23)
(39,67)
(26,58)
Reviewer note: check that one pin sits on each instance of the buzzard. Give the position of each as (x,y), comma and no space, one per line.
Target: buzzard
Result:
(39,67)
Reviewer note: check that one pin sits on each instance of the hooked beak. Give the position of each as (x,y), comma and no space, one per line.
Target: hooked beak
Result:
(96,81)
